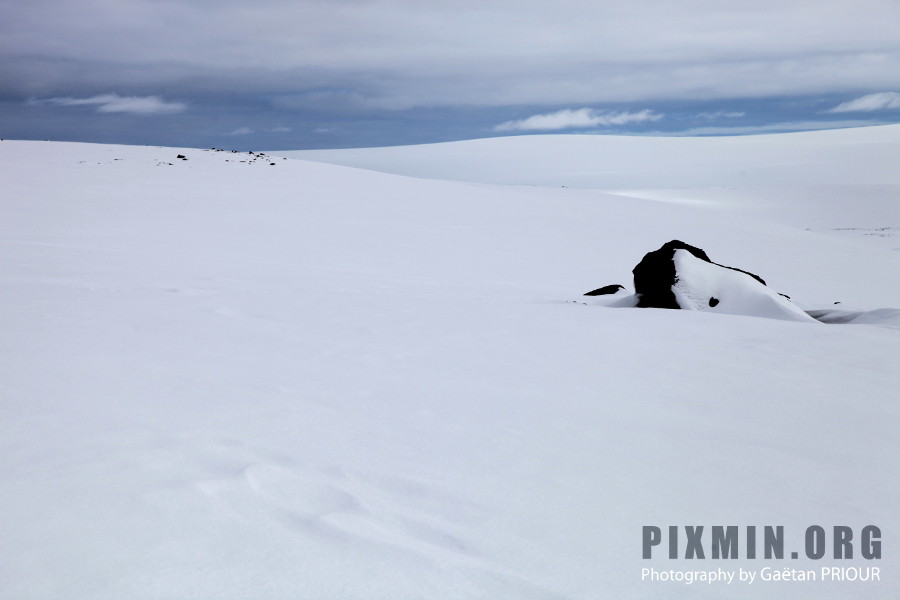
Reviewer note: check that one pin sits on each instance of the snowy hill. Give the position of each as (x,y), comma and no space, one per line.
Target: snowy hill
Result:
(846,178)
(833,157)
(236,376)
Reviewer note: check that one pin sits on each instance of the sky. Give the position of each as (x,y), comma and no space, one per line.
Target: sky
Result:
(297,74)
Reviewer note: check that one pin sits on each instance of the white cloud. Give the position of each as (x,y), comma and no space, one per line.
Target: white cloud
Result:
(581,117)
(721,114)
(248,130)
(113,103)
(869,103)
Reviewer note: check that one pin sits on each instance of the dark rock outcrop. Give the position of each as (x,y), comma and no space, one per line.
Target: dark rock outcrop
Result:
(655,275)
(606,289)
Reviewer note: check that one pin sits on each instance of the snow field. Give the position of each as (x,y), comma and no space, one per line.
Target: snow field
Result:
(235,380)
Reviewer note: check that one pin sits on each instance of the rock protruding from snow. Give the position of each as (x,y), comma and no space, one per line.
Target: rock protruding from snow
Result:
(681,276)
(655,275)
(606,290)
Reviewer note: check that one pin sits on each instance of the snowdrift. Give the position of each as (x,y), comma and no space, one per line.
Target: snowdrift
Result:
(703,285)
(227,378)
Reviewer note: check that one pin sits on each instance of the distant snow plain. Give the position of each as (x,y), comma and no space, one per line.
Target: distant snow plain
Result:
(236,376)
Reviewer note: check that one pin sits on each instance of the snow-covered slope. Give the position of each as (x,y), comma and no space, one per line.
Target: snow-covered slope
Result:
(843,181)
(227,379)
(832,157)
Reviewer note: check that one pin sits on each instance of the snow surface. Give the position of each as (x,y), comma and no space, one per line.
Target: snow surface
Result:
(737,293)
(227,379)
(848,177)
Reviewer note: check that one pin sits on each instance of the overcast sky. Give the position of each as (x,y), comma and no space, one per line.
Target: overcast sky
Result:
(277,74)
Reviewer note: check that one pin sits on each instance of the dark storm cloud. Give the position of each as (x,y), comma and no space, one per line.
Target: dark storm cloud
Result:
(403,53)
(332,60)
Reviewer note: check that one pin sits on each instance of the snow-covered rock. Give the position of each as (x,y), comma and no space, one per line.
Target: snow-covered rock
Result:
(679,275)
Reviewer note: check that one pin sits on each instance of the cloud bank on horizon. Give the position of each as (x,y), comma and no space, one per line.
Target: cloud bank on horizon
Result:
(355,72)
